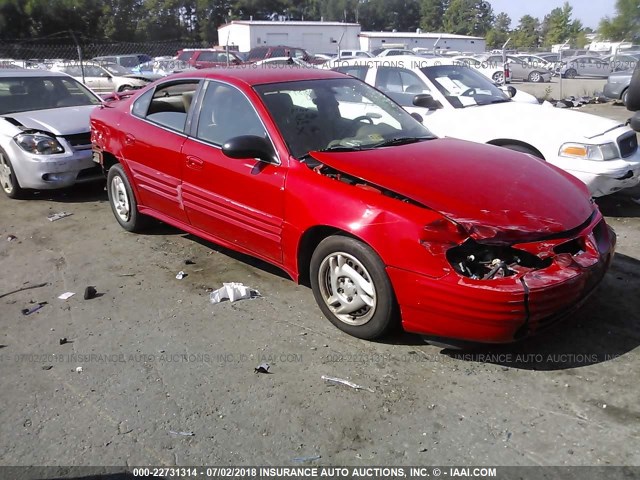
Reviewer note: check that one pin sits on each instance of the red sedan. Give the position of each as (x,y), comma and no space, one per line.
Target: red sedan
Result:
(327,178)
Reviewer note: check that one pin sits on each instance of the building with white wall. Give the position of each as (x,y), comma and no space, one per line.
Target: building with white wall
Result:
(315,37)
(442,41)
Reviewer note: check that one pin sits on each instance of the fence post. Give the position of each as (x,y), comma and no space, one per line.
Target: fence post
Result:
(75,40)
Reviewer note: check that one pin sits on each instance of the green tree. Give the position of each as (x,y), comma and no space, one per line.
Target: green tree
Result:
(558,26)
(14,22)
(527,33)
(431,12)
(468,17)
(625,25)
(500,31)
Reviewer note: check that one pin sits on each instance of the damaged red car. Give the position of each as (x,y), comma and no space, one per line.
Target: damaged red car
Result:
(327,178)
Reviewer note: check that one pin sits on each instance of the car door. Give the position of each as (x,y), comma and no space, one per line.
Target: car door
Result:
(152,143)
(238,201)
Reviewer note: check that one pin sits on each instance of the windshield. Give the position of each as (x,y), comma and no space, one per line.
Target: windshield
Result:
(23,94)
(464,87)
(339,114)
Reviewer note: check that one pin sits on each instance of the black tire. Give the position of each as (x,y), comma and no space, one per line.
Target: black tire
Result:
(624,97)
(498,78)
(124,88)
(370,321)
(9,182)
(123,202)
(522,148)
(571,73)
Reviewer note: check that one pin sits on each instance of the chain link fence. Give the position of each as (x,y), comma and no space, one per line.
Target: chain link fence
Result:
(34,53)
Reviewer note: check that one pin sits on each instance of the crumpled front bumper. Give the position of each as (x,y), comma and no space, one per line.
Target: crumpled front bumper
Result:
(507,309)
(43,172)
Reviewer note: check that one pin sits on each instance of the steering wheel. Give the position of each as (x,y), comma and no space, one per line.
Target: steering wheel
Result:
(363,118)
(468,93)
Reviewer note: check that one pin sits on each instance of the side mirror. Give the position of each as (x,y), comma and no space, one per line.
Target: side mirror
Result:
(105,75)
(509,90)
(249,146)
(417,116)
(425,100)
(634,122)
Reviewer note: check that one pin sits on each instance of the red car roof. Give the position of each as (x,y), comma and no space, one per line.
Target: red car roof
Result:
(256,75)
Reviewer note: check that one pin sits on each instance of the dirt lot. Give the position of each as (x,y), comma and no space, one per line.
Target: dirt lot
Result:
(157,357)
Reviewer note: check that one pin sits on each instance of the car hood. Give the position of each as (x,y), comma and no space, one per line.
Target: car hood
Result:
(539,119)
(496,194)
(59,121)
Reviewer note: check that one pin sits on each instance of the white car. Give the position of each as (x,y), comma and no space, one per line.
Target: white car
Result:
(456,101)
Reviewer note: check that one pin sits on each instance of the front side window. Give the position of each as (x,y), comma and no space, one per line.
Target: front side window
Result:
(400,84)
(226,113)
(167,105)
(358,71)
(464,87)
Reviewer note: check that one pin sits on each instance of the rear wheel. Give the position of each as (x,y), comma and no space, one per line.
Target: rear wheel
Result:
(124,88)
(8,180)
(498,77)
(352,288)
(123,202)
(624,97)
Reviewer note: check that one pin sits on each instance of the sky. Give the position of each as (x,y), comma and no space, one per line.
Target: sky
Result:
(589,12)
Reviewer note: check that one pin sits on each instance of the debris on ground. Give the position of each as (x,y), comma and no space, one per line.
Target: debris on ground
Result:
(66,295)
(180,275)
(575,102)
(188,261)
(11,238)
(90,292)
(341,381)
(78,369)
(262,368)
(64,340)
(127,275)
(35,308)
(47,367)
(183,434)
(310,458)
(52,217)
(28,287)
(233,291)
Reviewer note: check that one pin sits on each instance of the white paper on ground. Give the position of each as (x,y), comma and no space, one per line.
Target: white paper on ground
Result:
(233,291)
(66,295)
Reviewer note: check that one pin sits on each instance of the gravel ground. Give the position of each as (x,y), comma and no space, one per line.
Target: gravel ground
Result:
(157,358)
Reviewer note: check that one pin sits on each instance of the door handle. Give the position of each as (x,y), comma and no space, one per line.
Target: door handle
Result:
(129,139)
(195,163)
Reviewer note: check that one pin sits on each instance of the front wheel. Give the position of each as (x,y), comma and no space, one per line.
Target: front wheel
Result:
(522,149)
(123,202)
(498,78)
(571,73)
(8,180)
(352,288)
(536,77)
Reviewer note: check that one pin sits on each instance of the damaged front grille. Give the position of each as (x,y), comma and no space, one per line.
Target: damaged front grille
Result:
(79,141)
(485,262)
(628,144)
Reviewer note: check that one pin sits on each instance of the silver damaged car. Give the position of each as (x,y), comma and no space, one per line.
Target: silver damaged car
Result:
(44,131)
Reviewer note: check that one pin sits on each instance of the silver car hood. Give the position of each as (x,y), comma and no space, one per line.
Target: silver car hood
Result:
(58,121)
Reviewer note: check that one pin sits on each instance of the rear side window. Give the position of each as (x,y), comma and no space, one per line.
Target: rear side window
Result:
(168,105)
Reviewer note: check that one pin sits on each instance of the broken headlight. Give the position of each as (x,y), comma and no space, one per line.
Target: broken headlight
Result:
(485,262)
(607,151)
(38,143)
